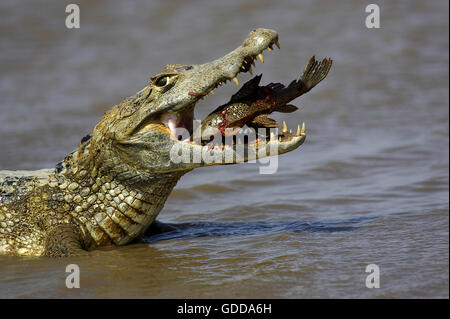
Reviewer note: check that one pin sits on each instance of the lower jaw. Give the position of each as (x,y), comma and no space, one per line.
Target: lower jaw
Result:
(180,125)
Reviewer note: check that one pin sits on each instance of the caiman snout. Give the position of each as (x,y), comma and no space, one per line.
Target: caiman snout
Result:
(236,61)
(177,88)
(260,37)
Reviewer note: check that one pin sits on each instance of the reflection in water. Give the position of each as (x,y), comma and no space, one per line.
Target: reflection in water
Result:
(160,231)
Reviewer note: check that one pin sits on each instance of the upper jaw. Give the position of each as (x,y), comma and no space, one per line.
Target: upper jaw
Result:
(174,108)
(217,72)
(200,80)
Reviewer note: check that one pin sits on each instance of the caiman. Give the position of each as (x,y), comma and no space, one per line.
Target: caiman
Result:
(111,188)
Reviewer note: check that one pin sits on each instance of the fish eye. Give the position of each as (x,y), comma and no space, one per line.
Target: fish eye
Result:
(162,81)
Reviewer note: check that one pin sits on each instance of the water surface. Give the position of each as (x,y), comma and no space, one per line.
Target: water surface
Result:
(369,185)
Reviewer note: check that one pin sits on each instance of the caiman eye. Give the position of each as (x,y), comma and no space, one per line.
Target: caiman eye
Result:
(162,81)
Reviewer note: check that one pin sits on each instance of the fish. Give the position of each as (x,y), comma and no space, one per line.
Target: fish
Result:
(253,103)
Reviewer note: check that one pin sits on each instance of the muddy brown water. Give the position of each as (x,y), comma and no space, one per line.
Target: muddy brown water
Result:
(369,186)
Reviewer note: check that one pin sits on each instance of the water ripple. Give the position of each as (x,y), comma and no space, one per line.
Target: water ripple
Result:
(161,231)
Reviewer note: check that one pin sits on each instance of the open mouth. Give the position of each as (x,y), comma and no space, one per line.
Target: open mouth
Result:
(247,110)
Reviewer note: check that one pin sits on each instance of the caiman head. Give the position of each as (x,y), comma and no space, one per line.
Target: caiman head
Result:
(143,130)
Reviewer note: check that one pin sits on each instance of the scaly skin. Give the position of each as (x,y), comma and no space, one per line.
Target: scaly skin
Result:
(110,190)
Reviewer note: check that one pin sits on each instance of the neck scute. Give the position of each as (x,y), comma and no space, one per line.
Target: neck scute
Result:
(110,200)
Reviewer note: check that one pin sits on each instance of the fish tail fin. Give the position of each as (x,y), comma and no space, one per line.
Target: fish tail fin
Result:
(315,72)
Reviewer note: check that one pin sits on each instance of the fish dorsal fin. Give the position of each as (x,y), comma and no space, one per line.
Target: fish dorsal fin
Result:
(248,89)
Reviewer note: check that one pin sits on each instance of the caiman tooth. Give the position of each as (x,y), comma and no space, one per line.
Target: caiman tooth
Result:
(299,131)
(303,128)
(235,80)
(250,70)
(290,131)
(212,92)
(269,49)
(277,43)
(284,127)
(272,136)
(260,57)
